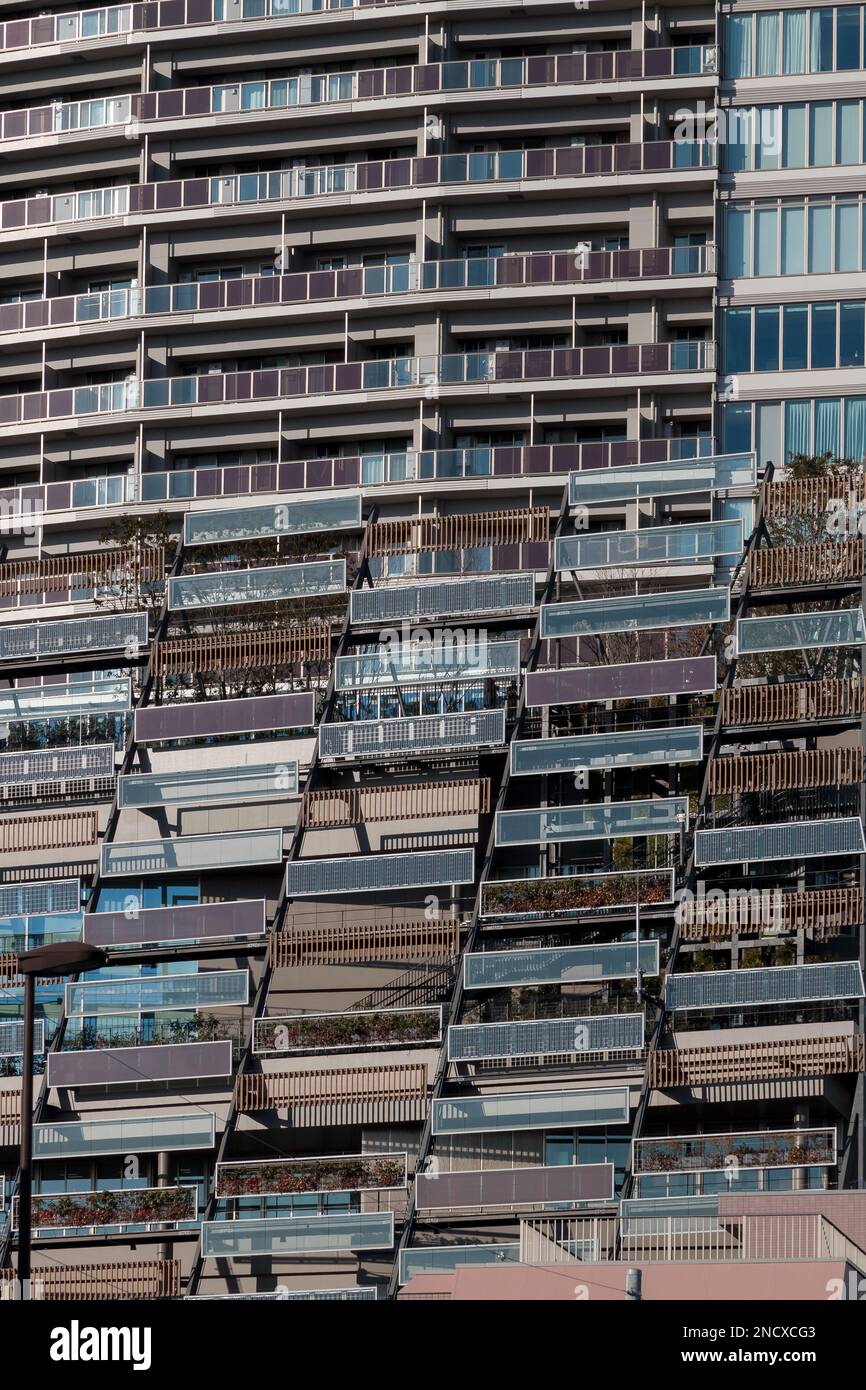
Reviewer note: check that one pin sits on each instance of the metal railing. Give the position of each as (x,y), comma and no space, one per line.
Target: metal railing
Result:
(336,378)
(652,157)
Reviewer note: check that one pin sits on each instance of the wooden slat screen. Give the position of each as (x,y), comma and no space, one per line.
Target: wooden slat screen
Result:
(759,772)
(462,532)
(793,701)
(822,911)
(812,496)
(357,805)
(422,940)
(114,1280)
(60,573)
(784,1058)
(807,564)
(333,1086)
(55,830)
(9,972)
(241,651)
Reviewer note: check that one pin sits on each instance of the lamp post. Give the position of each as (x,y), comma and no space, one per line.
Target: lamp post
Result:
(64,958)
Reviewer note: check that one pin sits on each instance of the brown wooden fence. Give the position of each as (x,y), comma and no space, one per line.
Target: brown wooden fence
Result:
(60,573)
(243,651)
(812,496)
(823,912)
(730,1063)
(358,805)
(824,563)
(461,532)
(436,939)
(53,830)
(769,772)
(336,1086)
(794,701)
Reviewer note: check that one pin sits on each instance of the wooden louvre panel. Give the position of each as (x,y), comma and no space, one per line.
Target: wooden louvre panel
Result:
(822,911)
(113,1280)
(54,830)
(433,939)
(811,496)
(60,573)
(780,771)
(332,807)
(9,976)
(241,651)
(785,1058)
(807,564)
(793,701)
(462,532)
(331,1086)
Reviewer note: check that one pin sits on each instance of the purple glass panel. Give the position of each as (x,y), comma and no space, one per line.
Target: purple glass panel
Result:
(399,81)
(599,67)
(13,212)
(369,176)
(398,173)
(322,284)
(293,381)
(320,379)
(628,65)
(541,69)
(208,482)
(596,361)
(506,462)
(292,287)
(213,294)
(169,195)
(651,451)
(634,681)
(347,472)
(197,101)
(125,1066)
(503,1187)
(319,472)
(570,67)
(627,358)
(142,197)
(18,34)
(194,923)
(58,496)
(598,159)
(199,11)
(292,474)
(656,155)
(350,281)
(655,262)
(538,362)
(196,193)
(172,12)
(348,376)
(171,103)
(213,387)
(657,62)
(426,169)
(536,459)
(629,159)
(427,78)
(8,410)
(15,124)
(212,718)
(654,357)
(263,477)
(10,317)
(144,106)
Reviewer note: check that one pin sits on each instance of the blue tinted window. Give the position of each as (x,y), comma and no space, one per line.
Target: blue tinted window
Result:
(794,337)
(823,335)
(851,325)
(738,357)
(767,339)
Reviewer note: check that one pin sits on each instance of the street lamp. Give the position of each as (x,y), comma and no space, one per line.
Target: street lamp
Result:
(64,958)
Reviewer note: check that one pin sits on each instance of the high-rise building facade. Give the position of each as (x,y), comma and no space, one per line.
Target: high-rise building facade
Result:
(431,442)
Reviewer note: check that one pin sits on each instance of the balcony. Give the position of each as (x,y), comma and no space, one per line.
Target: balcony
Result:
(73,700)
(812,496)
(737,1063)
(278,1177)
(71,1213)
(374,1094)
(364,1029)
(781,984)
(34,899)
(635,680)
(514,1187)
(297,1235)
(229,921)
(108,1281)
(525,1110)
(657,747)
(421,735)
(71,578)
(126,1066)
(236,786)
(33,642)
(533,273)
(794,840)
(12,1037)
(442,1259)
(653,545)
(460,531)
(636,613)
(378,873)
(350,941)
(49,831)
(426,176)
(608,821)
(829,563)
(822,913)
(564,895)
(223,718)
(123,1135)
(801,631)
(333,807)
(712,1153)
(205,989)
(559,965)
(420,663)
(761,772)
(39,774)
(270,585)
(794,702)
(282,519)
(591,1037)
(443,598)
(644,481)
(405,377)
(245,99)
(229,850)
(243,651)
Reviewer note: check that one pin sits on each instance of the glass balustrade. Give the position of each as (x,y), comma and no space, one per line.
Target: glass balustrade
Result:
(376,873)
(634,680)
(68,701)
(297,1235)
(282,519)
(32,899)
(450,598)
(573,753)
(610,820)
(704,474)
(125,1066)
(279,582)
(58,765)
(781,984)
(235,785)
(559,965)
(207,989)
(653,545)
(232,849)
(125,632)
(798,631)
(793,840)
(635,613)
(445,660)
(424,734)
(518,1111)
(195,719)
(123,1135)
(591,1034)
